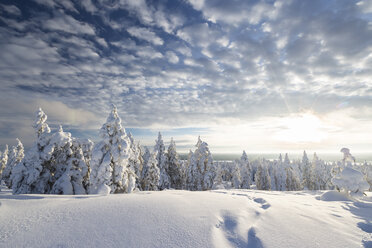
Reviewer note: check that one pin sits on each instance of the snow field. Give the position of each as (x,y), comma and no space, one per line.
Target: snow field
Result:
(172,218)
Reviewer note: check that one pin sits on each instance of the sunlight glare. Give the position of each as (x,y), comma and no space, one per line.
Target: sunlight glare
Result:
(300,128)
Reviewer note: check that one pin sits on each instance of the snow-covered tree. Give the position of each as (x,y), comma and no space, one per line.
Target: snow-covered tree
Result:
(145,158)
(281,175)
(110,158)
(245,171)
(159,148)
(292,180)
(263,181)
(273,173)
(70,167)
(35,173)
(16,155)
(367,171)
(193,175)
(135,160)
(351,181)
(174,166)
(236,179)
(3,160)
(306,171)
(54,164)
(321,174)
(87,147)
(184,169)
(146,155)
(201,171)
(218,180)
(151,174)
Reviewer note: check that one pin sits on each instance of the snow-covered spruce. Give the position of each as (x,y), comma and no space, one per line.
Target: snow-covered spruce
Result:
(151,174)
(55,164)
(71,169)
(236,179)
(201,171)
(34,173)
(306,171)
(135,160)
(159,148)
(110,158)
(367,171)
(321,175)
(86,147)
(245,171)
(174,167)
(351,181)
(16,155)
(262,178)
(3,160)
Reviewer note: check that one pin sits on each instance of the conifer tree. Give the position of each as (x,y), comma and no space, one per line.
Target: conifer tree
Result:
(151,175)
(292,180)
(34,173)
(164,182)
(201,171)
(4,160)
(174,166)
(236,177)
(70,167)
(245,171)
(16,155)
(135,160)
(263,181)
(110,158)
(306,171)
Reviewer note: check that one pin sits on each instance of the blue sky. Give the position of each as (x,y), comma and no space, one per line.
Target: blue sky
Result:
(254,75)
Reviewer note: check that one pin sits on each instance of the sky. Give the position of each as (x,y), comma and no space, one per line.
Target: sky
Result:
(260,76)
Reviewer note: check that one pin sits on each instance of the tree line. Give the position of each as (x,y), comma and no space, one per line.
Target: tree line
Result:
(58,163)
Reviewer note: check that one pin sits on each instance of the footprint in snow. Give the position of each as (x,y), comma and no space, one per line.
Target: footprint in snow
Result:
(264,204)
(253,240)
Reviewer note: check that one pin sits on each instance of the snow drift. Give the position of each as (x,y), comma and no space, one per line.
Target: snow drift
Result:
(172,218)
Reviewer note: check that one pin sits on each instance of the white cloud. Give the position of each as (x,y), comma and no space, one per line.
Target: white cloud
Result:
(68,24)
(149,52)
(88,6)
(66,4)
(11,9)
(145,34)
(365,6)
(172,57)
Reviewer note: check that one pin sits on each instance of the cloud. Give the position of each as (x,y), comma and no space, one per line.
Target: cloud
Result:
(68,24)
(145,34)
(172,57)
(64,4)
(237,12)
(11,9)
(88,6)
(242,66)
(57,112)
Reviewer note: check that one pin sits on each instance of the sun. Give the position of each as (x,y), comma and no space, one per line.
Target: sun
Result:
(301,128)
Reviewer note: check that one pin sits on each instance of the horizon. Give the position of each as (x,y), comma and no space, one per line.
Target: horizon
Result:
(278,76)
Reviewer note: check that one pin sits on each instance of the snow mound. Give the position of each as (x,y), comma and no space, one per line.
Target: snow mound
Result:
(334,196)
(351,181)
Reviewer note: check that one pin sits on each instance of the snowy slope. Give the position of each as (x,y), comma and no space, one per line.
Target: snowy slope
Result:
(223,218)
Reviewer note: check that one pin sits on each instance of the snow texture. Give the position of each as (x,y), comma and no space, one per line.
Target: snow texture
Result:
(173,218)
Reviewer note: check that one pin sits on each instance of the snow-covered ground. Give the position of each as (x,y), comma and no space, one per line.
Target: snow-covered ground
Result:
(221,218)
